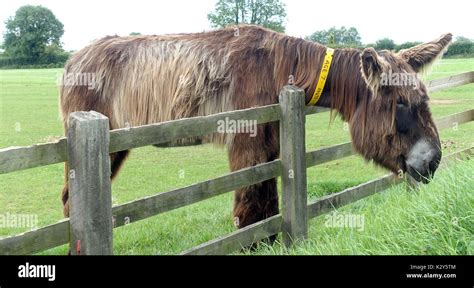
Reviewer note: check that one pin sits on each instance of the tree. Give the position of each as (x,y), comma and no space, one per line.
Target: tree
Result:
(462,39)
(30,32)
(462,47)
(135,33)
(406,45)
(267,13)
(337,37)
(385,44)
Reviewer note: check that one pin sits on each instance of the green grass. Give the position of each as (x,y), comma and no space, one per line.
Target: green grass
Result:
(436,219)
(447,67)
(29,114)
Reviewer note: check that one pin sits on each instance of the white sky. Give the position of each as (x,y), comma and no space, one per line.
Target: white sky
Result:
(401,20)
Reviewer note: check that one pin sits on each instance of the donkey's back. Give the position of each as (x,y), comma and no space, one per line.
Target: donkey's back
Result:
(137,80)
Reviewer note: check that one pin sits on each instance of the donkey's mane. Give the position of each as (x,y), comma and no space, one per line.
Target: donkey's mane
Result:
(347,86)
(202,73)
(303,60)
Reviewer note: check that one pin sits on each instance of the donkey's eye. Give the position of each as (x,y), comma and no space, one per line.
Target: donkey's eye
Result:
(404,118)
(401,104)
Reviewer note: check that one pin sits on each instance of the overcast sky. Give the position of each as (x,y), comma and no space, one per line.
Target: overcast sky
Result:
(402,20)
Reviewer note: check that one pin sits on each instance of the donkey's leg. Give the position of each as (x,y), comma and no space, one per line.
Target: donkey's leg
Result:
(65,193)
(259,201)
(116,161)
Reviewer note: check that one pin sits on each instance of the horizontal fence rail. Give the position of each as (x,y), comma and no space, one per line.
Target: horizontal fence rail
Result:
(240,238)
(19,158)
(450,82)
(162,202)
(453,120)
(128,138)
(37,240)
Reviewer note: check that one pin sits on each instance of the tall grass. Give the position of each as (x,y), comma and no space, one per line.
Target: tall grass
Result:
(437,218)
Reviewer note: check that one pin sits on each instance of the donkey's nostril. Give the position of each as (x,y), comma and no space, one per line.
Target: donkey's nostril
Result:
(433,165)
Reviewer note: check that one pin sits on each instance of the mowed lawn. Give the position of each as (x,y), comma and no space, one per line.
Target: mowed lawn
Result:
(438,219)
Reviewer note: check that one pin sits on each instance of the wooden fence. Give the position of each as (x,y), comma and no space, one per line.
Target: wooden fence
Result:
(92,217)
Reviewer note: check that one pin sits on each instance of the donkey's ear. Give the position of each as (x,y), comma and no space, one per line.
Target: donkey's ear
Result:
(372,66)
(426,54)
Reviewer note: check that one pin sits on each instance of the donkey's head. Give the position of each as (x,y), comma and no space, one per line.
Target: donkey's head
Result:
(392,124)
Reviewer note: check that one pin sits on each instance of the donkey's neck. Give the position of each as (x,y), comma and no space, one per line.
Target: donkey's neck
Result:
(345,84)
(304,59)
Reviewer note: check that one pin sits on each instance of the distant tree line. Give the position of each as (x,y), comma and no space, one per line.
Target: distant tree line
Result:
(349,38)
(33,35)
(462,47)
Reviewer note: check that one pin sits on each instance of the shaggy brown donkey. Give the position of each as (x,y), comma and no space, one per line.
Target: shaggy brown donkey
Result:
(148,79)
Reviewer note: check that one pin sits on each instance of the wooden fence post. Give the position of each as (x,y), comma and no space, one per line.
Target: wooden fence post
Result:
(90,197)
(292,151)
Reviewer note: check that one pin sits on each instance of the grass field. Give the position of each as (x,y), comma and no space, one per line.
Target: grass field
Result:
(438,219)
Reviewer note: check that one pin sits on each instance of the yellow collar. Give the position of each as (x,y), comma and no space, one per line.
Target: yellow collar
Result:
(322,77)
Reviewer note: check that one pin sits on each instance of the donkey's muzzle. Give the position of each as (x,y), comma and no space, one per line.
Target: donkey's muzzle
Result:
(423,160)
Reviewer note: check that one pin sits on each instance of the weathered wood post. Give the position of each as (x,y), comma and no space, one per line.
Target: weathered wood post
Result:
(292,151)
(90,197)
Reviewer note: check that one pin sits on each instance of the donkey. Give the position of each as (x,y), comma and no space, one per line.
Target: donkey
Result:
(149,79)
